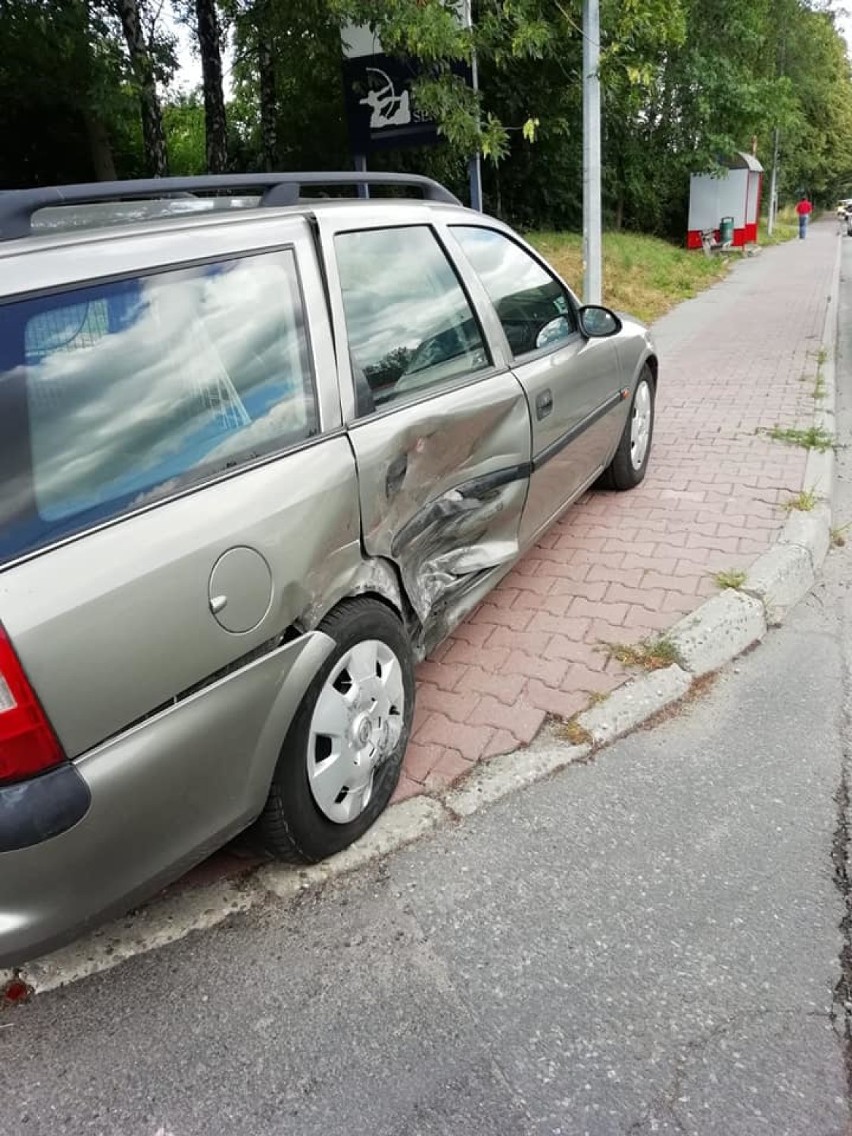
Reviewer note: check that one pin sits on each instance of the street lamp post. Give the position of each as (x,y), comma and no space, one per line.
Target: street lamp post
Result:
(773,188)
(474,166)
(592,285)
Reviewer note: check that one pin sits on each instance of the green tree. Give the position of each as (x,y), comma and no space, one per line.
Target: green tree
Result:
(288,105)
(151,58)
(816,139)
(208,33)
(184,127)
(67,108)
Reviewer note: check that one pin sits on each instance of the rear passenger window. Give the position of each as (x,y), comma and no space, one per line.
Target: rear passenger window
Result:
(410,325)
(116,394)
(533,307)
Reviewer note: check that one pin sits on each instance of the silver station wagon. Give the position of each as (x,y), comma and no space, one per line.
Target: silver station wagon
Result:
(260,451)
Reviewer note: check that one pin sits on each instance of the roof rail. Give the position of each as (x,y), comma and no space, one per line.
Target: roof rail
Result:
(18,206)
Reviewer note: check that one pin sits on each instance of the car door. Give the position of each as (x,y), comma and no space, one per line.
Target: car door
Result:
(440,427)
(573,382)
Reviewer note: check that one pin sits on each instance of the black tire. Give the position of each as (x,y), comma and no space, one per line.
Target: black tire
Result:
(621,473)
(292,826)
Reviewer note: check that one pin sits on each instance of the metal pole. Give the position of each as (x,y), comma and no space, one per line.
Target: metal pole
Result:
(773,188)
(474,168)
(361,166)
(591,153)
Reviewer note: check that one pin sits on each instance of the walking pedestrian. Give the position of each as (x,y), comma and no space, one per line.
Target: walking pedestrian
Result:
(804,209)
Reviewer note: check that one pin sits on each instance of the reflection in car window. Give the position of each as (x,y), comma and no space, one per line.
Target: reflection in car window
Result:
(527,298)
(132,389)
(410,325)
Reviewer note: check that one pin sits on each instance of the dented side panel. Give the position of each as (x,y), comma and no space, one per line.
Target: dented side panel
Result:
(443,484)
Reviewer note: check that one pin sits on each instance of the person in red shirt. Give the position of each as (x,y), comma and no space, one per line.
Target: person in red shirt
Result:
(804,209)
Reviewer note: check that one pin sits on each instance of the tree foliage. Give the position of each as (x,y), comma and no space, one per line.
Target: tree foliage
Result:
(685,83)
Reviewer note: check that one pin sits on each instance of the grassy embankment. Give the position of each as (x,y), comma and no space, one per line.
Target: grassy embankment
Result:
(645,275)
(786,227)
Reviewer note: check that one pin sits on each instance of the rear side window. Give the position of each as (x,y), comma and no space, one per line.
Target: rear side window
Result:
(117,394)
(411,327)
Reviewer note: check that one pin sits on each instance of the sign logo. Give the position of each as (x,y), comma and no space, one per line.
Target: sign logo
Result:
(388,108)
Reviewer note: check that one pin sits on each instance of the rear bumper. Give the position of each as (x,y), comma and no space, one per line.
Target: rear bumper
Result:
(34,811)
(160,798)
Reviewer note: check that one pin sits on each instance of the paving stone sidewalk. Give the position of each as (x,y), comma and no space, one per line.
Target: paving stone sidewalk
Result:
(619,567)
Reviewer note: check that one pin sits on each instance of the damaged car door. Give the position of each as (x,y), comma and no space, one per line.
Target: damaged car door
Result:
(440,427)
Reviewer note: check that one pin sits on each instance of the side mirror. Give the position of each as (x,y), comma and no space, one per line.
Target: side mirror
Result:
(552,332)
(597,322)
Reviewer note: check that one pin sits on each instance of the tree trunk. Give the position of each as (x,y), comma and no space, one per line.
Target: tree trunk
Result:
(99,147)
(153,136)
(619,212)
(215,124)
(268,131)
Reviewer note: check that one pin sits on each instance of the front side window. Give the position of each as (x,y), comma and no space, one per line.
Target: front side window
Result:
(532,305)
(409,322)
(127,391)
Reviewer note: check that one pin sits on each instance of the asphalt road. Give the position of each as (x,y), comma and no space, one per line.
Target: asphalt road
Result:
(648,943)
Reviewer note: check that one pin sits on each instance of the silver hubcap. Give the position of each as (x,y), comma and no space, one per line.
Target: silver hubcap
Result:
(356,725)
(640,424)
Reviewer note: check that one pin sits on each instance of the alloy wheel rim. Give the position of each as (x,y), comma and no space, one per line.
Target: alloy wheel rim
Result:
(355,727)
(640,425)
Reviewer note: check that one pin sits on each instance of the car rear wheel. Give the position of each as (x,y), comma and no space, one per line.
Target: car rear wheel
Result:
(628,466)
(342,756)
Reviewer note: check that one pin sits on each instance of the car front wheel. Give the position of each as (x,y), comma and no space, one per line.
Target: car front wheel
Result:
(630,462)
(342,756)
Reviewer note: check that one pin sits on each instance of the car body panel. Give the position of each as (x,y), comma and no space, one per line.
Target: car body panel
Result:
(163,795)
(132,599)
(581,384)
(443,483)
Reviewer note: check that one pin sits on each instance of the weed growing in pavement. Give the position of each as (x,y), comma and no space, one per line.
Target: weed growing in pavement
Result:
(818,393)
(821,356)
(597,697)
(838,535)
(730,578)
(649,654)
(576,734)
(804,502)
(811,438)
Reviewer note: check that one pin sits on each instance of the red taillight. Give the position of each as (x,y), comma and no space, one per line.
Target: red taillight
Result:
(28,745)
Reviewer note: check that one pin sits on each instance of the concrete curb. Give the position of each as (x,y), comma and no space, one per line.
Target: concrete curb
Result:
(630,705)
(492,780)
(722,628)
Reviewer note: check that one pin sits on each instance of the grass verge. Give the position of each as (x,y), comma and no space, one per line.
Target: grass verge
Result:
(642,275)
(785,229)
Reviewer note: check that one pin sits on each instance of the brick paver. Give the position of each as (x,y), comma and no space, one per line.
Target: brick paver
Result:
(619,567)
